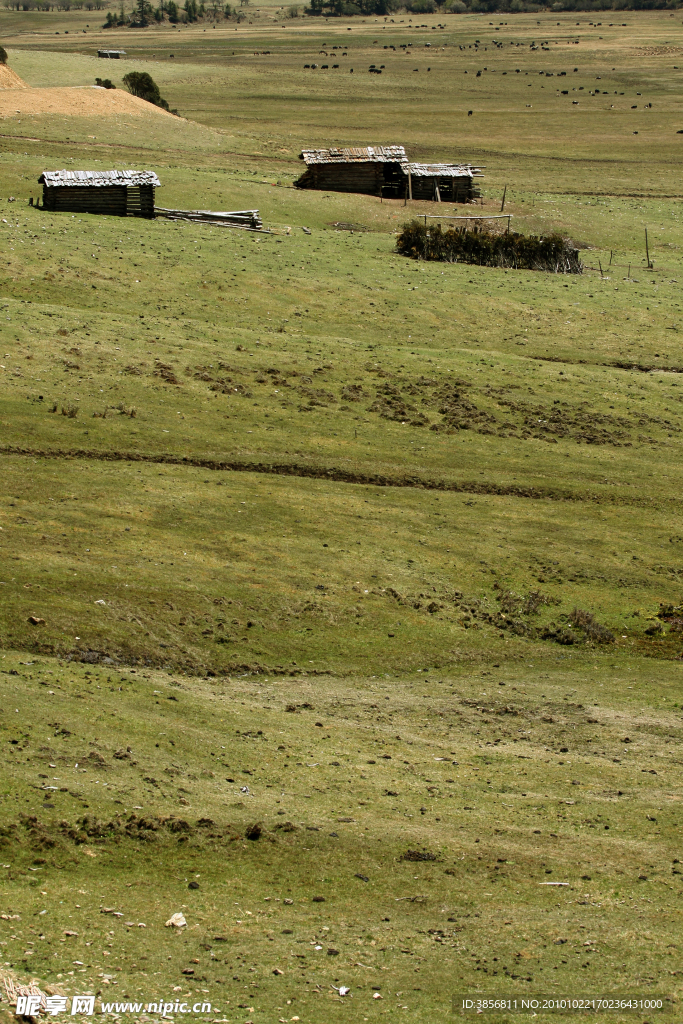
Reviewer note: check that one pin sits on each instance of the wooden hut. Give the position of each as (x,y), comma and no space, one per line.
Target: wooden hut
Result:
(453,183)
(372,170)
(118,193)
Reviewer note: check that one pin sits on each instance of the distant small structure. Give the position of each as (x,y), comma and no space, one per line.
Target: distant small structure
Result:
(371,170)
(451,183)
(117,193)
(111,54)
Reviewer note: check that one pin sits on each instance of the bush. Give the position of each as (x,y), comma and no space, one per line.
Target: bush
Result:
(3,55)
(105,83)
(141,84)
(592,629)
(456,7)
(421,6)
(482,247)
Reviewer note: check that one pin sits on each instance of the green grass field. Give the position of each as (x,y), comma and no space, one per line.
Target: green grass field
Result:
(458,543)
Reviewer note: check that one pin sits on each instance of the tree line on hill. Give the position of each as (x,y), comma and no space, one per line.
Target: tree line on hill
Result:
(144,13)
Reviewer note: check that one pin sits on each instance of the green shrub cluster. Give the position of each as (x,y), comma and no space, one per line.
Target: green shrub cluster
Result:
(3,55)
(141,84)
(457,245)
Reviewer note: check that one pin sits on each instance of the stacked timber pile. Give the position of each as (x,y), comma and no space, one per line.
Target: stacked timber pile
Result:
(249,220)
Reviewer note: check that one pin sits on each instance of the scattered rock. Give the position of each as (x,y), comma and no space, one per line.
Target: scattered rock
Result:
(35,620)
(176,921)
(193,885)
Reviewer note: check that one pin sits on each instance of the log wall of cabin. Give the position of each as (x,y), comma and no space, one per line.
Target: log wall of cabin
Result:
(451,190)
(363,178)
(111,200)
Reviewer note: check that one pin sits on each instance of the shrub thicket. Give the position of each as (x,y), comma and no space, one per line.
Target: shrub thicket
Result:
(3,55)
(141,84)
(457,245)
(105,83)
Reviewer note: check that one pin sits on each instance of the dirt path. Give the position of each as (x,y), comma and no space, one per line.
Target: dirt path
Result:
(333,474)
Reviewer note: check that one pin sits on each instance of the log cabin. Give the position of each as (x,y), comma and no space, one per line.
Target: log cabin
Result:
(117,193)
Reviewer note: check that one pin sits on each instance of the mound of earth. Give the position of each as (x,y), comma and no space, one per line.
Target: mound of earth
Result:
(10,79)
(81,102)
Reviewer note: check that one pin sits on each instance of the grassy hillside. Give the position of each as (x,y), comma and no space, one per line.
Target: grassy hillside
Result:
(281,494)
(409,833)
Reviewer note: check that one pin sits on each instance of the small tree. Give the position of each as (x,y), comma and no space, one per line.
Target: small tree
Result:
(143,10)
(141,84)
(172,11)
(3,55)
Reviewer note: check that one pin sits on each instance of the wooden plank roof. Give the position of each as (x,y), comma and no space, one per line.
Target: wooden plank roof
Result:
(440,170)
(355,155)
(97,179)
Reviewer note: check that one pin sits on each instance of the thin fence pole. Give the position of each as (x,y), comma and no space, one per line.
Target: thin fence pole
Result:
(502,205)
(647,251)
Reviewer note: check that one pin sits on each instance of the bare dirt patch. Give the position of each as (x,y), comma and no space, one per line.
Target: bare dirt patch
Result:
(10,79)
(85,102)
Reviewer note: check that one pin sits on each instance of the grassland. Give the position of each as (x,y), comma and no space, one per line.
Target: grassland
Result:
(278,495)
